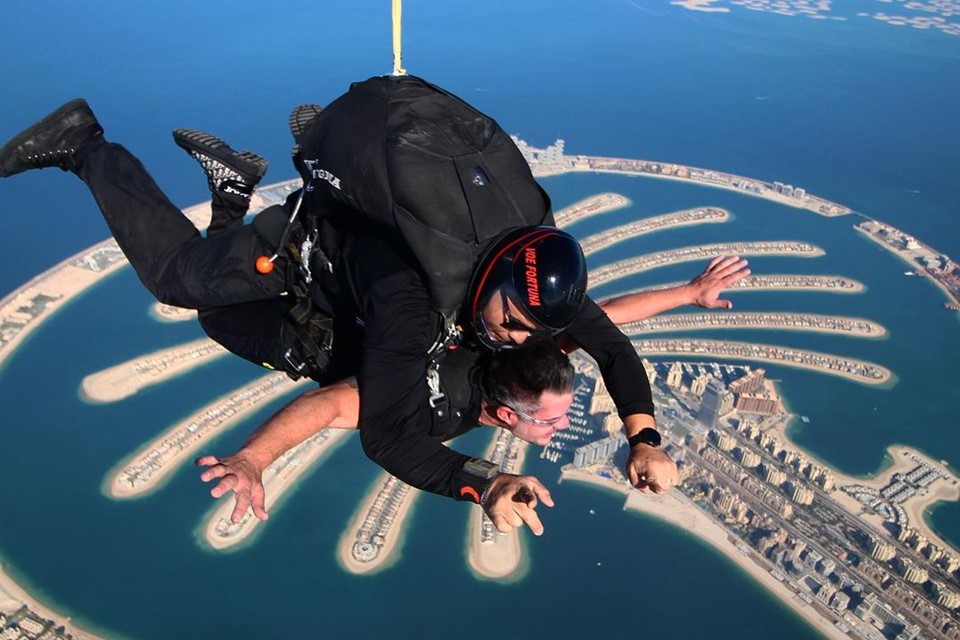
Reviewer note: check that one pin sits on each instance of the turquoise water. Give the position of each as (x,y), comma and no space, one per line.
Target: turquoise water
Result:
(854,111)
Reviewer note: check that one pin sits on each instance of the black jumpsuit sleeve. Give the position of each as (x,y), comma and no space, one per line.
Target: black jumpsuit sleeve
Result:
(620,366)
(395,415)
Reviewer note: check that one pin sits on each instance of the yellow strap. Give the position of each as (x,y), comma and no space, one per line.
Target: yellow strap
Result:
(398,69)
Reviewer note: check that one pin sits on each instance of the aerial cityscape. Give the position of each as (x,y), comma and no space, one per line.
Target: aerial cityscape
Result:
(855,558)
(813,421)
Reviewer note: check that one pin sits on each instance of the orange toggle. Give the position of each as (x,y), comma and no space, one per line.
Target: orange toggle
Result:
(264,265)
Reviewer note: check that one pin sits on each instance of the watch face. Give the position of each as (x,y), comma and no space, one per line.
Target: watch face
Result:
(649,436)
(480,468)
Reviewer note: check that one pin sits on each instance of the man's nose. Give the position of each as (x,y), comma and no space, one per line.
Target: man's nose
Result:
(518,337)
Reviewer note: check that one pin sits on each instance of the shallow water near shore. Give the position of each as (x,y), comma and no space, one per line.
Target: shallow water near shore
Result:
(663,84)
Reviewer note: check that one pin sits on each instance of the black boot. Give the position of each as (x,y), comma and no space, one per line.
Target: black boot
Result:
(228,172)
(300,119)
(53,141)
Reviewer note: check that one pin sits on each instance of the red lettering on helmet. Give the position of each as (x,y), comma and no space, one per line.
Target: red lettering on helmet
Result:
(533,285)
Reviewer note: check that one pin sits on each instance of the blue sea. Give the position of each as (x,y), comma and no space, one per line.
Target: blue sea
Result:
(856,111)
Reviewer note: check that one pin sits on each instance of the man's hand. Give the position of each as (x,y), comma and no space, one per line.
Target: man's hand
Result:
(512,500)
(244,477)
(650,469)
(722,272)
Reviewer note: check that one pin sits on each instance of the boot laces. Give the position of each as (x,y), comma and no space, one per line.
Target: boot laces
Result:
(217,172)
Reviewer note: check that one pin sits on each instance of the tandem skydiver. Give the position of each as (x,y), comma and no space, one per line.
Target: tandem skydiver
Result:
(368,277)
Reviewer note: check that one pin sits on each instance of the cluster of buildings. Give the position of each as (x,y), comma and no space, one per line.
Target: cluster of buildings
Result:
(13,322)
(552,160)
(798,282)
(24,624)
(930,262)
(887,501)
(590,207)
(25,308)
(506,451)
(376,524)
(870,583)
(602,240)
(152,367)
(697,253)
(769,320)
(789,191)
(141,471)
(857,369)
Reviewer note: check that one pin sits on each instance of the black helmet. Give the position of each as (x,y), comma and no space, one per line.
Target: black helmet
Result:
(542,269)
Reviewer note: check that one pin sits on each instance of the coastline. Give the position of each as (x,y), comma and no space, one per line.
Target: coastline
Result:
(897,460)
(676,509)
(127,378)
(13,596)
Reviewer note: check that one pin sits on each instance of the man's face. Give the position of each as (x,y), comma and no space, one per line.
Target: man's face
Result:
(538,427)
(504,322)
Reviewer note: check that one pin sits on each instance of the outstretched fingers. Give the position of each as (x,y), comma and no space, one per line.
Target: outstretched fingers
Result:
(257,502)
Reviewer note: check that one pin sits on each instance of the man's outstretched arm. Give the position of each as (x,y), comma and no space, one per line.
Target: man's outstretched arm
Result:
(703,291)
(337,405)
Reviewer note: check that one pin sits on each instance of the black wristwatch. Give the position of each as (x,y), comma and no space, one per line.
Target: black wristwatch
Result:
(647,435)
(474,478)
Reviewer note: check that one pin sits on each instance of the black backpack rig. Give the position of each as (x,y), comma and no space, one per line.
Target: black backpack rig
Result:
(401,157)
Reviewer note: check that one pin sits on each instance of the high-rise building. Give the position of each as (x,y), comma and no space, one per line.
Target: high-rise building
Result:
(699,384)
(598,450)
(750,383)
(912,572)
(749,459)
(881,551)
(675,376)
(710,406)
(840,601)
(800,494)
(945,596)
(773,475)
(727,402)
(725,442)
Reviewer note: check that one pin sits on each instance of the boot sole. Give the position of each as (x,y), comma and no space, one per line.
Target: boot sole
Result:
(248,164)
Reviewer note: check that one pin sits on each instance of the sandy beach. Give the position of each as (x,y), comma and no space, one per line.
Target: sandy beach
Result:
(390,549)
(676,509)
(127,378)
(13,596)
(278,479)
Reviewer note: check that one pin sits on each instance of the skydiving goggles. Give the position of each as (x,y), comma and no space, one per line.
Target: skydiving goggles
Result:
(540,422)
